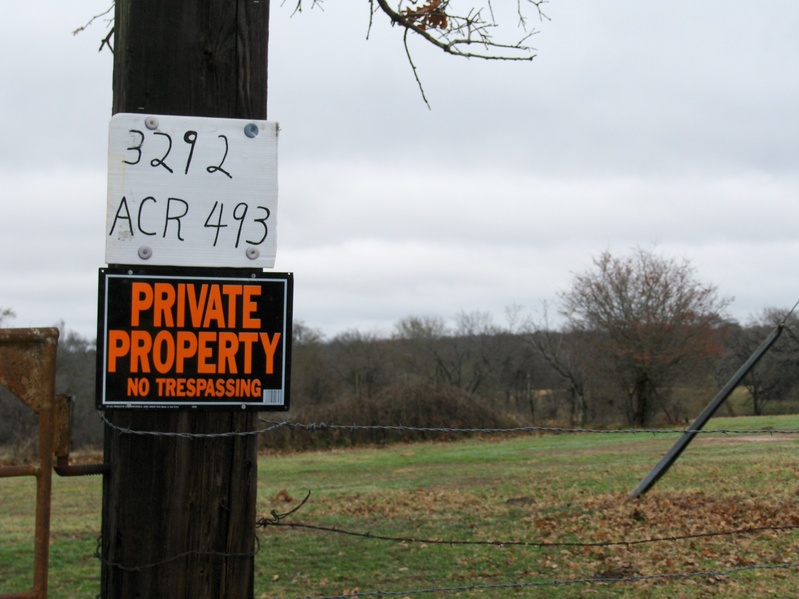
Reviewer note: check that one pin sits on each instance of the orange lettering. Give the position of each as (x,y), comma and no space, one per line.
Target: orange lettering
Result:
(248,339)
(232,292)
(162,305)
(180,317)
(141,298)
(228,346)
(186,348)
(140,345)
(118,347)
(163,351)
(214,309)
(269,348)
(196,304)
(249,307)
(204,353)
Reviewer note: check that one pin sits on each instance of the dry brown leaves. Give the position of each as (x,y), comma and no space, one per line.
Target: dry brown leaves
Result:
(600,536)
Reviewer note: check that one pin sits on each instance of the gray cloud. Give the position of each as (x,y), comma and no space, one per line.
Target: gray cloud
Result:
(668,125)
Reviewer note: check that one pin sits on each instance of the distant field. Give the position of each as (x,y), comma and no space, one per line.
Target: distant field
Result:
(551,489)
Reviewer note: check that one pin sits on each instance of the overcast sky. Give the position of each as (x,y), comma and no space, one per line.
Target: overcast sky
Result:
(669,125)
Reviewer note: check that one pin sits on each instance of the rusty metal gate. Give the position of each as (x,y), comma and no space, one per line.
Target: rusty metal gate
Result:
(27,369)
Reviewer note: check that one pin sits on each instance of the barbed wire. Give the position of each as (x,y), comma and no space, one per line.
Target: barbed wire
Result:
(185,435)
(278,520)
(596,579)
(265,522)
(610,576)
(325,427)
(192,552)
(322,427)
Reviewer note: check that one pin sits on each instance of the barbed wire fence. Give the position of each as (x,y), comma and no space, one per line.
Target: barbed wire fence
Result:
(278,520)
(322,427)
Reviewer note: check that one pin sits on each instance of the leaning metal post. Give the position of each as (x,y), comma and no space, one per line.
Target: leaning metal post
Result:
(672,455)
(27,369)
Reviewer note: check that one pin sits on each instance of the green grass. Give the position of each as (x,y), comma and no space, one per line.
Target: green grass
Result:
(75,525)
(552,488)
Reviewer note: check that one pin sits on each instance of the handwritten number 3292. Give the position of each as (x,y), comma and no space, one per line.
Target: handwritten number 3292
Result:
(190,138)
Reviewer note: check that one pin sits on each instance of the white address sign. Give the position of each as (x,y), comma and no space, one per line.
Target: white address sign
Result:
(191,191)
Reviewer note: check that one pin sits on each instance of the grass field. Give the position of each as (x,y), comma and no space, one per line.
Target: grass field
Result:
(569,491)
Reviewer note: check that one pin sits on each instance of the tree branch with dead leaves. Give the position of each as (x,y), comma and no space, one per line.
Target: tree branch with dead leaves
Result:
(465,28)
(469,34)
(472,31)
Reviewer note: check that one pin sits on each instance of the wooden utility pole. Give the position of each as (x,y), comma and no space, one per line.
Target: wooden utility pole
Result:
(179,512)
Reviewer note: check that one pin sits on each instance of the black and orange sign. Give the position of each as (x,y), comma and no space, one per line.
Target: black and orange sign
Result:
(194,338)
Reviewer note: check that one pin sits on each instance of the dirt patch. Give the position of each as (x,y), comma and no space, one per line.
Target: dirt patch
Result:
(740,439)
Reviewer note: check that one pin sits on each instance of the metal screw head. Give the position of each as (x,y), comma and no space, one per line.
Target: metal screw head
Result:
(251,130)
(145,252)
(252,253)
(151,123)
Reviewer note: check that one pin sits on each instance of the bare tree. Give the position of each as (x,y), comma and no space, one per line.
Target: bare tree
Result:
(360,361)
(774,378)
(565,351)
(312,377)
(459,357)
(650,322)
(6,314)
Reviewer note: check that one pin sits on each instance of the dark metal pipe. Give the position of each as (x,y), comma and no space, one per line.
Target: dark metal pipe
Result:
(672,455)
(64,468)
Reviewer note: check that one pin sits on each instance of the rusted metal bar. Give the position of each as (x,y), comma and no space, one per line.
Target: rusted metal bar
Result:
(62,407)
(27,365)
(27,369)
(62,416)
(44,491)
(12,471)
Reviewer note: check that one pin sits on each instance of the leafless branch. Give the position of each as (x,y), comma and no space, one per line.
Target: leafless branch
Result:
(415,72)
(298,6)
(106,41)
(462,34)
(94,18)
(468,36)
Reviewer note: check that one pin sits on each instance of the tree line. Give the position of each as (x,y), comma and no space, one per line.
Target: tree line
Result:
(636,341)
